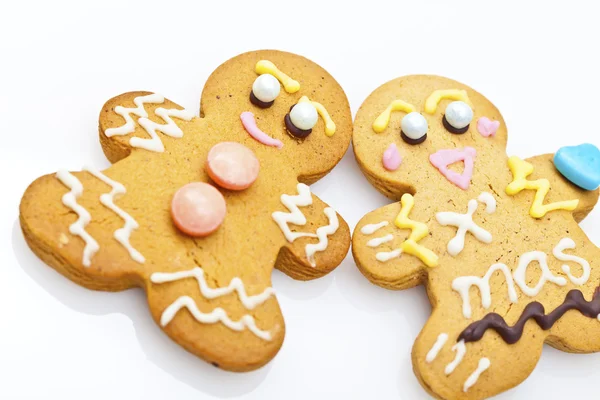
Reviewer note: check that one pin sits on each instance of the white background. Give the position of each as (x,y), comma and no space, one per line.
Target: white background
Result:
(346,338)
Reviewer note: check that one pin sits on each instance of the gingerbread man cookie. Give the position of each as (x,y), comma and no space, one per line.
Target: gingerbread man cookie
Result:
(198,211)
(494,239)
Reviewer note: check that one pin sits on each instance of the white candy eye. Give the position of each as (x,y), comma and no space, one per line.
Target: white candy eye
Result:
(458,115)
(304,116)
(266,88)
(414,128)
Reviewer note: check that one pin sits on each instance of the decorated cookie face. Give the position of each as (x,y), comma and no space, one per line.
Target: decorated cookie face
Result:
(494,239)
(198,211)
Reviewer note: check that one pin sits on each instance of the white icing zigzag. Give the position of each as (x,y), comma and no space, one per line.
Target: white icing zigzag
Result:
(123,234)
(296,217)
(236,285)
(84,217)
(170,128)
(218,314)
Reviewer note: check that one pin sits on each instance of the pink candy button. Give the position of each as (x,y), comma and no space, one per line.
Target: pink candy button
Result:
(198,209)
(232,165)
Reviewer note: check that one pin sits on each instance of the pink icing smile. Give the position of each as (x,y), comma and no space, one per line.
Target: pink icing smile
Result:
(487,127)
(250,125)
(391,158)
(443,158)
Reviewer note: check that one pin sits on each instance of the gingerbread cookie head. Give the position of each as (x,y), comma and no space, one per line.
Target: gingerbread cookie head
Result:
(199,210)
(494,239)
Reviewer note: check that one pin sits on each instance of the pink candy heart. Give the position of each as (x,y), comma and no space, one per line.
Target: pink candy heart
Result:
(487,127)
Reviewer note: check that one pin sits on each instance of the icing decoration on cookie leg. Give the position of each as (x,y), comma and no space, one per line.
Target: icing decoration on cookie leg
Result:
(463,284)
(83,216)
(487,127)
(322,111)
(372,228)
(322,233)
(443,158)
(418,231)
(216,315)
(521,170)
(154,143)
(453,94)
(520,273)
(460,350)
(236,285)
(123,234)
(382,121)
(580,165)
(391,158)
(465,223)
(250,126)
(267,67)
(384,256)
(567,244)
(535,310)
(483,365)
(437,346)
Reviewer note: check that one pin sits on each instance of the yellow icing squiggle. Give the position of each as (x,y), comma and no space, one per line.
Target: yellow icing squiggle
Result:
(329,124)
(453,94)
(418,231)
(267,67)
(382,121)
(521,170)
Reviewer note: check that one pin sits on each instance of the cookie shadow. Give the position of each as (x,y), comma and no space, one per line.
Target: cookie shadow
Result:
(158,347)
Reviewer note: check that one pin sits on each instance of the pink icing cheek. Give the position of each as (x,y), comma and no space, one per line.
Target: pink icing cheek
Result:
(198,209)
(232,165)
(487,127)
(391,158)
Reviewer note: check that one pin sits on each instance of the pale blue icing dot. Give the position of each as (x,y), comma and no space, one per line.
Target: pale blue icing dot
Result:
(580,165)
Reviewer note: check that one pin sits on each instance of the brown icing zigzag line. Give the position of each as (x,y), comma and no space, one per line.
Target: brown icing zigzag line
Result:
(511,334)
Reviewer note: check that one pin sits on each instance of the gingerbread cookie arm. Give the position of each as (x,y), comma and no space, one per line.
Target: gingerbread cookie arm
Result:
(140,120)
(560,188)
(315,247)
(235,325)
(379,249)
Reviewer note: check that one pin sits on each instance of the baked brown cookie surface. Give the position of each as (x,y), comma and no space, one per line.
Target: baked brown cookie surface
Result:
(494,239)
(205,257)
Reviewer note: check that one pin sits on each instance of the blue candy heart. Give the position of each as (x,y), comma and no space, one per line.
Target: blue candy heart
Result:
(580,165)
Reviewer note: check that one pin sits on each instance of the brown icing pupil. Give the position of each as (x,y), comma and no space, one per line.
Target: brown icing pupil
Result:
(259,103)
(452,129)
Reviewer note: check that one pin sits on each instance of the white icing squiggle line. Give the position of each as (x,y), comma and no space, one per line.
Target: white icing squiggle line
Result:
(379,241)
(295,216)
(484,364)
(568,244)
(372,228)
(84,217)
(154,143)
(547,276)
(463,284)
(236,285)
(123,234)
(322,233)
(460,350)
(384,256)
(437,346)
(216,315)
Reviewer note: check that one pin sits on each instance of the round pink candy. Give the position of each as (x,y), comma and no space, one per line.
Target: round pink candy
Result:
(232,165)
(198,209)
